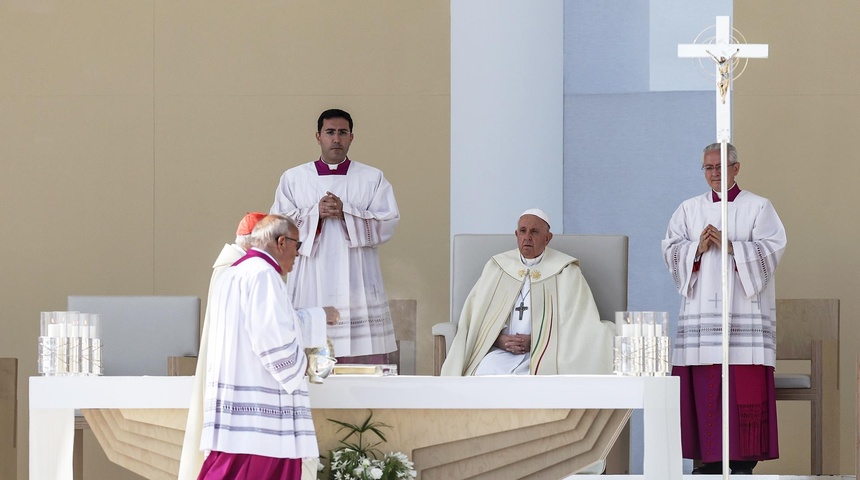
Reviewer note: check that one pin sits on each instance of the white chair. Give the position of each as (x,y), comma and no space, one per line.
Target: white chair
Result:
(139,336)
(139,333)
(603,261)
(602,258)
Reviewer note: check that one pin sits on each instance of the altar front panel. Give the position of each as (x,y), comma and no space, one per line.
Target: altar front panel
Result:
(490,408)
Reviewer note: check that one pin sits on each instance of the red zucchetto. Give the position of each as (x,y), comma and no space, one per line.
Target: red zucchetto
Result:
(248,222)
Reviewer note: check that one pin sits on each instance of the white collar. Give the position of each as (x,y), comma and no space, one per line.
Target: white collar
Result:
(531,262)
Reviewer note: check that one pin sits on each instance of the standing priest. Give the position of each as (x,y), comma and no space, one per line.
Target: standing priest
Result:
(691,250)
(531,312)
(344,211)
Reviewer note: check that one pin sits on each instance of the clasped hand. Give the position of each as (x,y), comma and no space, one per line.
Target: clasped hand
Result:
(711,237)
(332,316)
(518,343)
(331,206)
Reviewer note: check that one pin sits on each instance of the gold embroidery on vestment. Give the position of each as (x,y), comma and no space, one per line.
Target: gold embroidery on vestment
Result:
(535,274)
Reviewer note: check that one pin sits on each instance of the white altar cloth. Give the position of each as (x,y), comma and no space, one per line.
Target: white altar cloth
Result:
(53,401)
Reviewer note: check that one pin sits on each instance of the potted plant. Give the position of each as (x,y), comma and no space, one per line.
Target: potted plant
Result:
(357,458)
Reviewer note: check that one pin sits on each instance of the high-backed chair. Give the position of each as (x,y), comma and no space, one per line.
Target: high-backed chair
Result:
(808,329)
(8,418)
(141,335)
(602,258)
(140,332)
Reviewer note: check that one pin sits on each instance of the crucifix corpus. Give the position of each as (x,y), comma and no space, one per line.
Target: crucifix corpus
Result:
(522,308)
(726,56)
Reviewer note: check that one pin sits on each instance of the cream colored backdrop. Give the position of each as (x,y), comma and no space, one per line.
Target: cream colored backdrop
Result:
(135,134)
(797,120)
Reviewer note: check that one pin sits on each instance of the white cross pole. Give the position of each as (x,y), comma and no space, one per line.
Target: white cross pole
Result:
(723,53)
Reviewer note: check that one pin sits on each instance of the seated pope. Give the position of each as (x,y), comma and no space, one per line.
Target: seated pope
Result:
(531,312)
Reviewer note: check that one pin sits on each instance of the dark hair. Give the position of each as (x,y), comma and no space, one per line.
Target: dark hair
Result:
(333,113)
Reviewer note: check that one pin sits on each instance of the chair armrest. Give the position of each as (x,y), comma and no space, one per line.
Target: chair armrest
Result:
(447,330)
(181,366)
(443,335)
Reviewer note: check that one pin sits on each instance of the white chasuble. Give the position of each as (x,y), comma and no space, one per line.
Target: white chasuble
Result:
(758,239)
(567,336)
(338,264)
(502,362)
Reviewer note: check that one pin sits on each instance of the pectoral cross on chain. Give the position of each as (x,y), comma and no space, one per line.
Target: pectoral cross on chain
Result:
(522,308)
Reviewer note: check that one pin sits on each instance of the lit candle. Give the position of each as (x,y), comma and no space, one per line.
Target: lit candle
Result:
(53,330)
(626,330)
(62,320)
(84,325)
(73,329)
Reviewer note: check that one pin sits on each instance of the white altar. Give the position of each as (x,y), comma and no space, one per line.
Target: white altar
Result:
(53,401)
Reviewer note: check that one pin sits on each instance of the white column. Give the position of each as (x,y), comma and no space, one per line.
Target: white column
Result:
(507,112)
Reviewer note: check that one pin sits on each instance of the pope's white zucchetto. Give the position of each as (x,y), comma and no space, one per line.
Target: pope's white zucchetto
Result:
(538,213)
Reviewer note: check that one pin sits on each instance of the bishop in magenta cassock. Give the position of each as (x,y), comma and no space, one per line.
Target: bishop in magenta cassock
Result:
(692,253)
(256,416)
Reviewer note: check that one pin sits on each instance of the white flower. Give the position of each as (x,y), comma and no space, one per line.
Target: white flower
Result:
(375,473)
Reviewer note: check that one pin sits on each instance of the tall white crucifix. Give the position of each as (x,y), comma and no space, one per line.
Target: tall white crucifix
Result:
(724,54)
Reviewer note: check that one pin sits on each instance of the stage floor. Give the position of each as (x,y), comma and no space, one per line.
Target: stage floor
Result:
(719,477)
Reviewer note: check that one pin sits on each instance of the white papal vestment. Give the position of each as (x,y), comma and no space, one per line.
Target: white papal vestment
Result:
(567,336)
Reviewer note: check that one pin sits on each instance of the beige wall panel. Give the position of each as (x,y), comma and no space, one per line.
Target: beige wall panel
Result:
(235,150)
(799,153)
(96,47)
(77,182)
(812,47)
(410,142)
(124,124)
(809,181)
(796,117)
(377,47)
(215,159)
(76,200)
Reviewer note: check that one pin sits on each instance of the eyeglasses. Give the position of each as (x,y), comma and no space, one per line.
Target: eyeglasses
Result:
(331,133)
(298,242)
(715,168)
